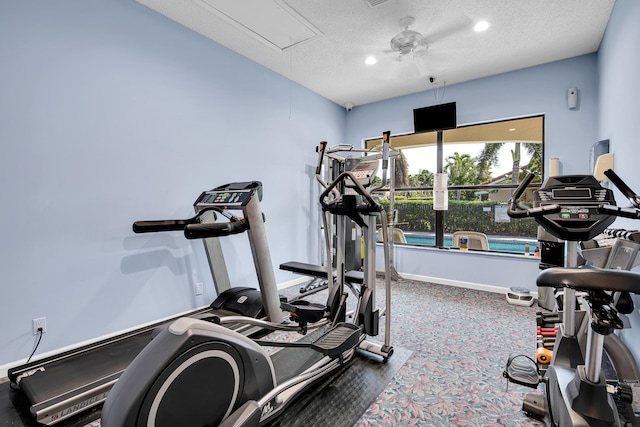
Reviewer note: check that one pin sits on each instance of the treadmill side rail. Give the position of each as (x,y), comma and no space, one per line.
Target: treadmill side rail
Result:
(63,407)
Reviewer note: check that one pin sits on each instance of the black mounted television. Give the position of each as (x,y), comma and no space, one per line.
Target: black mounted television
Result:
(435,117)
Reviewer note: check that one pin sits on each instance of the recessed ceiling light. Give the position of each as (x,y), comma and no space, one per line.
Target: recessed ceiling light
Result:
(512,129)
(370,60)
(481,26)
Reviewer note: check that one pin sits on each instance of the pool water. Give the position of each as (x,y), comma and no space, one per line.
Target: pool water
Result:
(498,244)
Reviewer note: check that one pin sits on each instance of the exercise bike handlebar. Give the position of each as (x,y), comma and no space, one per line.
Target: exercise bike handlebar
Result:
(515,211)
(632,212)
(623,187)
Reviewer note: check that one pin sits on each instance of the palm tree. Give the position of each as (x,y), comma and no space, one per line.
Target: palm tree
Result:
(489,157)
(401,171)
(423,179)
(461,169)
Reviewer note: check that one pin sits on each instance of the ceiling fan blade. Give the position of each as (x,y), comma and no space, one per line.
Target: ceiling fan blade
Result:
(400,68)
(460,26)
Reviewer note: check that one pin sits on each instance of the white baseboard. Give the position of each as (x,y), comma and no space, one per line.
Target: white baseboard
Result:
(460,284)
(284,285)
(294,282)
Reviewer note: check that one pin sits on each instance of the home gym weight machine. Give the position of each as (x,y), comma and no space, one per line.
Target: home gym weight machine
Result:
(336,160)
(199,373)
(577,393)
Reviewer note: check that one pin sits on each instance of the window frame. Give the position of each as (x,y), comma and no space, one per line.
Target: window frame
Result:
(526,129)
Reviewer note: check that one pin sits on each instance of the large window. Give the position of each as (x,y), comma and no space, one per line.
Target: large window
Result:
(483,163)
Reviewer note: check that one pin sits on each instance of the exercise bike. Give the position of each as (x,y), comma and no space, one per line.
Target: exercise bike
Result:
(577,394)
(197,372)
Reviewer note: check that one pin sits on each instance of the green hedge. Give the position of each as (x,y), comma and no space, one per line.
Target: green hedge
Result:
(418,215)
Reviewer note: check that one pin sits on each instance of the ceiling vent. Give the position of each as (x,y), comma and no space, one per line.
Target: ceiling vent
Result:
(272,22)
(374,3)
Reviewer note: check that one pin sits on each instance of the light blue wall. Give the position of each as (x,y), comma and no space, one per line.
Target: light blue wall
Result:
(618,66)
(538,90)
(619,107)
(111,113)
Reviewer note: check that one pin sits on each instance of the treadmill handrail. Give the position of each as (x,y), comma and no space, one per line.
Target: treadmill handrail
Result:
(155,226)
(215,229)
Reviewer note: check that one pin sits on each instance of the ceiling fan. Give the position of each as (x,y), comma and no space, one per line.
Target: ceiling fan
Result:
(408,42)
(407,53)
(412,53)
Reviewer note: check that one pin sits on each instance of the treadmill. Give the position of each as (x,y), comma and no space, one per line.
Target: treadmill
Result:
(69,385)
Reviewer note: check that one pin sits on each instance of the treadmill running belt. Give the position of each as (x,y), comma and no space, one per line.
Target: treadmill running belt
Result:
(78,371)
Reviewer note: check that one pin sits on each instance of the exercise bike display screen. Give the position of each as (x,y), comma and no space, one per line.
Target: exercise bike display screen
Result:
(572,193)
(579,197)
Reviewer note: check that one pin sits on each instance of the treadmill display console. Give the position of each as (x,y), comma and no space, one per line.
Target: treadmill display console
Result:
(579,197)
(224,198)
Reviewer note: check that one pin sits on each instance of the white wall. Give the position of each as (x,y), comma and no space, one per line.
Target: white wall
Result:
(537,90)
(111,113)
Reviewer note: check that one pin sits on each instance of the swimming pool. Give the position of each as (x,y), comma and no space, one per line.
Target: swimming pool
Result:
(498,244)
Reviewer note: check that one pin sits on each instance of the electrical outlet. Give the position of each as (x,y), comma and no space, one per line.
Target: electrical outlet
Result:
(199,288)
(40,322)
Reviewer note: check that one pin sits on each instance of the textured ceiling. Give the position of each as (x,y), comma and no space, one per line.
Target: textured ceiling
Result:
(322,44)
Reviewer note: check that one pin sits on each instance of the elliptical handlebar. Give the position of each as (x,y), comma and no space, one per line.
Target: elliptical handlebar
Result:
(385,152)
(515,211)
(321,151)
(321,148)
(370,206)
(385,159)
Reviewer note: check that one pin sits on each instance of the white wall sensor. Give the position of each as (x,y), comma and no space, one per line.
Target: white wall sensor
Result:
(572,98)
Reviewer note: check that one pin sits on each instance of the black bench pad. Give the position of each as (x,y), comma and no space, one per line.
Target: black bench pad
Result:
(319,271)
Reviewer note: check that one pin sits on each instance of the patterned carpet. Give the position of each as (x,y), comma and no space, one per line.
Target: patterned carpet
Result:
(460,340)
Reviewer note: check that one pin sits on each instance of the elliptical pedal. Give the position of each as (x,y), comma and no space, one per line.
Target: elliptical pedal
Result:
(522,369)
(337,340)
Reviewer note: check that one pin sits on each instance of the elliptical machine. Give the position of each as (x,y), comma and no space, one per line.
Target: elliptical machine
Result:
(576,208)
(197,373)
